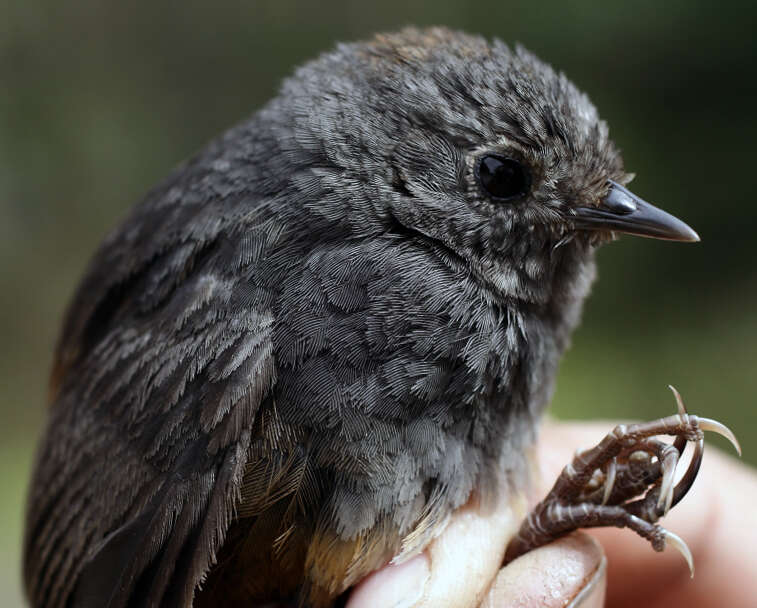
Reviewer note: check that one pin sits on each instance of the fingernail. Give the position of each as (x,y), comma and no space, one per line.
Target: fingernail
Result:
(592,594)
(394,586)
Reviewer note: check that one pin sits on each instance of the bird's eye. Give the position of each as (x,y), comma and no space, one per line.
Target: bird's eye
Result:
(503,178)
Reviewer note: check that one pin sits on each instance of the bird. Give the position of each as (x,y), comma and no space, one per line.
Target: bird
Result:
(321,335)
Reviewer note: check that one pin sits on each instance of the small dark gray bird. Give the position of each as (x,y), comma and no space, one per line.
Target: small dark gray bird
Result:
(317,338)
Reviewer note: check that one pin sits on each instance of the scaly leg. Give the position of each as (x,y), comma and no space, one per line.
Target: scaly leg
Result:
(598,487)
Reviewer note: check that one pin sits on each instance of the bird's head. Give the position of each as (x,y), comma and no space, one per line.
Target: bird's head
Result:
(486,152)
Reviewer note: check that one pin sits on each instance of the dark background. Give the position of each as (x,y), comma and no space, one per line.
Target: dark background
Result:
(99,100)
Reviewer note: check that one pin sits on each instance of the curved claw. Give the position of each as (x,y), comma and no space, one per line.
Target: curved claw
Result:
(678,544)
(666,489)
(679,400)
(685,483)
(612,470)
(680,441)
(707,424)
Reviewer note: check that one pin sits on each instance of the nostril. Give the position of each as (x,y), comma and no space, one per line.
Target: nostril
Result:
(618,201)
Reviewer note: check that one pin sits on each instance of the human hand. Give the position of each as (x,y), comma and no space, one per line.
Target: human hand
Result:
(714,519)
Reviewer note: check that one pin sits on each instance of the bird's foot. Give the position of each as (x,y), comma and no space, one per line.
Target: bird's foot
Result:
(626,480)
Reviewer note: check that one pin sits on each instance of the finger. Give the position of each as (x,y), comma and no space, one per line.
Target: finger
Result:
(568,572)
(455,570)
(394,585)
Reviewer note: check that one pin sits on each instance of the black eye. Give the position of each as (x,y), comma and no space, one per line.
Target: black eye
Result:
(503,178)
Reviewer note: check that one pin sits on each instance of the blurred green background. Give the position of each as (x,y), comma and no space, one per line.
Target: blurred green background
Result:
(99,100)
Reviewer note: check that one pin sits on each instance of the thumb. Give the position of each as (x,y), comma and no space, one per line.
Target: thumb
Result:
(457,569)
(571,571)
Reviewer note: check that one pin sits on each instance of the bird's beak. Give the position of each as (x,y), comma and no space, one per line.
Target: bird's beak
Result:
(623,211)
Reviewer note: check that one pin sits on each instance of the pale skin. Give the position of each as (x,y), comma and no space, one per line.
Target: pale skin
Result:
(716,519)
